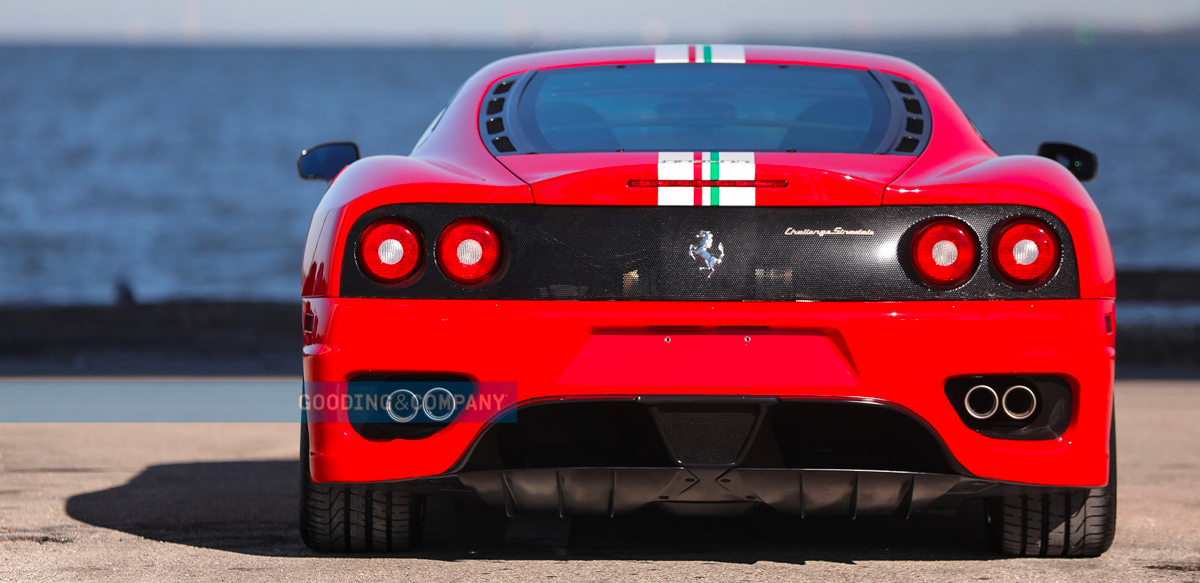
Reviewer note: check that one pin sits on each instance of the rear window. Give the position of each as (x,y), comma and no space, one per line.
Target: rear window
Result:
(704,107)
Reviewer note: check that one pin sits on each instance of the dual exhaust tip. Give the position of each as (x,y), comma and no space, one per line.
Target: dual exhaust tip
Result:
(1018,402)
(438,404)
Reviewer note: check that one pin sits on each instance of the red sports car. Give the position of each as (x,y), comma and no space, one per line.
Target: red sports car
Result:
(707,278)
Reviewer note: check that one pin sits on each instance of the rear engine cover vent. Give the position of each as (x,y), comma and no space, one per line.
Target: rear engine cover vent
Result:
(911,126)
(706,434)
(907,144)
(503,144)
(502,135)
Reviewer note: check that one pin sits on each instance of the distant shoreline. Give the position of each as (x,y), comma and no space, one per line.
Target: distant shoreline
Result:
(1081,34)
(263,338)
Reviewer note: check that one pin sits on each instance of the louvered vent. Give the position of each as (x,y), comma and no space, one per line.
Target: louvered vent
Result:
(914,124)
(497,106)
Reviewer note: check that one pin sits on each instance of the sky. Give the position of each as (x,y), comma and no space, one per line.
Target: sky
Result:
(532,22)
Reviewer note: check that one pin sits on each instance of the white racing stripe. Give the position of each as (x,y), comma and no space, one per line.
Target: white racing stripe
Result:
(675,166)
(706,166)
(699,54)
(731,166)
(728,54)
(671,54)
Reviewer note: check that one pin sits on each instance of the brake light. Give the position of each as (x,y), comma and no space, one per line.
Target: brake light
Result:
(944,252)
(1025,252)
(702,183)
(389,251)
(469,251)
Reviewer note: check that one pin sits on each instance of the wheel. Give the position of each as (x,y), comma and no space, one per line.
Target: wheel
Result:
(358,518)
(1075,523)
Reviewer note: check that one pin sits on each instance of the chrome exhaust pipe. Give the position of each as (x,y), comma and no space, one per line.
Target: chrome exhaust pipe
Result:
(403,405)
(981,401)
(1019,402)
(443,403)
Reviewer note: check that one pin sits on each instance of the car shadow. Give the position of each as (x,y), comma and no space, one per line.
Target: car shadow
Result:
(250,507)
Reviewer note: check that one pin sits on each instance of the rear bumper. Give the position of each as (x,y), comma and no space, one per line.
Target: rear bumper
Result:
(896,353)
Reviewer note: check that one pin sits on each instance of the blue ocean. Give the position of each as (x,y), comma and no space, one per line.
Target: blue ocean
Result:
(172,170)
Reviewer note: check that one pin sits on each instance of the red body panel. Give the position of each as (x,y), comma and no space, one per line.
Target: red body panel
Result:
(897,352)
(1042,183)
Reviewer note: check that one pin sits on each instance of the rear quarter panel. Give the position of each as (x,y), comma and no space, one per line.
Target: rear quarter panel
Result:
(1023,180)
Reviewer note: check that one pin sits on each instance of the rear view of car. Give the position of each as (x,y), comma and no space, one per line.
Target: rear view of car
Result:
(707,279)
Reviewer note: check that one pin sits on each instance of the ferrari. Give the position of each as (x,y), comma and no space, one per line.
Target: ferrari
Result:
(705,280)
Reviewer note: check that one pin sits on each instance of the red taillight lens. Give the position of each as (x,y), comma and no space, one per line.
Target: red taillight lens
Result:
(389,251)
(944,252)
(1025,252)
(469,251)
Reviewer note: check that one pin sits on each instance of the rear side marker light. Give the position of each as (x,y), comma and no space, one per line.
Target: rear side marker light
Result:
(1025,252)
(389,251)
(469,251)
(701,183)
(944,252)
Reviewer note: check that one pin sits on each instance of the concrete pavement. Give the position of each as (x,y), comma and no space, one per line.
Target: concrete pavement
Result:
(215,502)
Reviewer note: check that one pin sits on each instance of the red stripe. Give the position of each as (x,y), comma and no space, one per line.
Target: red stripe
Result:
(697,193)
(691,53)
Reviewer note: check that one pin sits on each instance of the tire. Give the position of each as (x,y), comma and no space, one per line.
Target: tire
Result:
(1073,523)
(357,518)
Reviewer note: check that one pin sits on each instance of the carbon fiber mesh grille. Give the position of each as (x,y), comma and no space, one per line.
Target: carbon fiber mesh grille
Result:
(703,253)
(706,436)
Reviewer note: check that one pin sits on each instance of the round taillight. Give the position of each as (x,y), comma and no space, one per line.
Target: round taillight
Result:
(469,251)
(1025,252)
(944,252)
(390,252)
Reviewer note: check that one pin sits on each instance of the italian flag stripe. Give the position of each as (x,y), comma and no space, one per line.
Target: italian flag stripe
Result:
(699,54)
(706,166)
(714,173)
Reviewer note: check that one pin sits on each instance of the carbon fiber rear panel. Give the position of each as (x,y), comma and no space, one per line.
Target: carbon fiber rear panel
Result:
(713,435)
(662,253)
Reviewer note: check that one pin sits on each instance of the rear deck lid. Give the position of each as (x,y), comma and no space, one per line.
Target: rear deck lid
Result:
(708,178)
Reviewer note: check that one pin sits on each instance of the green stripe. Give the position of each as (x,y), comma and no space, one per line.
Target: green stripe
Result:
(714,173)
(707,53)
